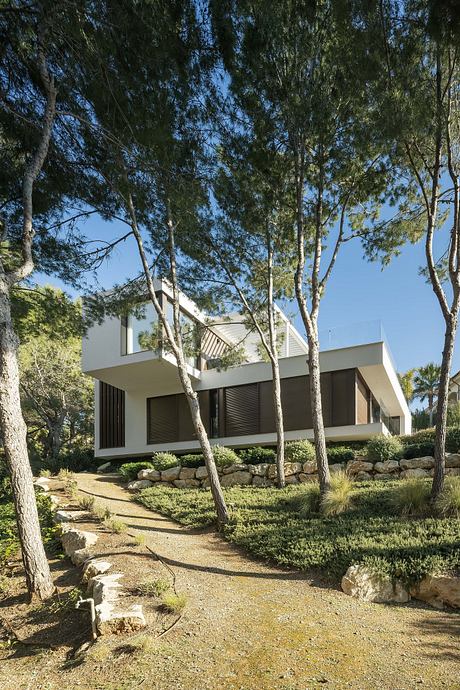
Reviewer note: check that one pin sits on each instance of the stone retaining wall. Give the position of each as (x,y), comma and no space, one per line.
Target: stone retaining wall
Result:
(265,474)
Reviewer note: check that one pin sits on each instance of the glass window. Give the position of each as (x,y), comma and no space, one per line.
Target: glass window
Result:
(142,331)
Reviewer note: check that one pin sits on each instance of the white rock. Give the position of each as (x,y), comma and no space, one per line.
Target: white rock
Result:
(187,473)
(139,484)
(186,483)
(387,466)
(236,478)
(259,470)
(452,460)
(95,567)
(104,468)
(111,620)
(425,463)
(105,587)
(261,481)
(414,474)
(150,474)
(438,591)
(236,467)
(42,484)
(69,515)
(170,474)
(201,472)
(361,583)
(74,540)
(80,556)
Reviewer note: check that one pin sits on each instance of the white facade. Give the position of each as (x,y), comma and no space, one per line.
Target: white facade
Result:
(146,374)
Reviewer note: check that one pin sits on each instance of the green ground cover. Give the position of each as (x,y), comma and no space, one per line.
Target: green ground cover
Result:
(268,524)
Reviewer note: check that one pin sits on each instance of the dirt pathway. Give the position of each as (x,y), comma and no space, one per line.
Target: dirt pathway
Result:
(248,625)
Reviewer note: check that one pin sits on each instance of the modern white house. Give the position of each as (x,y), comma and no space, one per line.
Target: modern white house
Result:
(140,407)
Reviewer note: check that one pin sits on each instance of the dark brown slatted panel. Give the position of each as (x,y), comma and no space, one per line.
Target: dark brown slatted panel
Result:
(203,399)
(343,397)
(242,410)
(186,430)
(295,397)
(326,398)
(363,395)
(266,407)
(162,419)
(111,416)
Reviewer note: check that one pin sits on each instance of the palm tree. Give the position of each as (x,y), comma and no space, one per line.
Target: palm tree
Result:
(406,382)
(426,384)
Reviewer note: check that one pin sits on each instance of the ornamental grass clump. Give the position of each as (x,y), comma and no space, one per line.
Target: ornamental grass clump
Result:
(338,497)
(449,501)
(308,501)
(153,588)
(115,526)
(411,497)
(173,603)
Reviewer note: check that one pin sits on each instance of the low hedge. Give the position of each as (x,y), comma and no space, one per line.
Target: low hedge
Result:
(428,436)
(191,460)
(418,450)
(163,461)
(339,454)
(257,455)
(130,470)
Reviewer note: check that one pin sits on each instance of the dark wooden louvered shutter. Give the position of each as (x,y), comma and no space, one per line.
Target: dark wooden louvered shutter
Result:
(242,410)
(362,400)
(343,397)
(295,397)
(266,408)
(162,419)
(111,416)
(186,430)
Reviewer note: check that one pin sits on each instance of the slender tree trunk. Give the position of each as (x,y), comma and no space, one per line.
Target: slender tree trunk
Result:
(324,476)
(441,409)
(14,434)
(192,398)
(279,423)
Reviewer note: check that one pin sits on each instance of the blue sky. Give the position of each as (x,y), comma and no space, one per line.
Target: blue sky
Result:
(358,291)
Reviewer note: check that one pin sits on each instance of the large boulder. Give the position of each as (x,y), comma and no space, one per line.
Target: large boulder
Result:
(95,567)
(452,471)
(187,473)
(201,472)
(452,459)
(105,587)
(336,467)
(414,474)
(438,591)
(150,474)
(186,483)
(365,476)
(69,515)
(236,467)
(425,463)
(361,583)
(81,556)
(106,467)
(74,539)
(259,470)
(170,474)
(292,468)
(355,466)
(42,484)
(387,466)
(236,478)
(309,467)
(139,484)
(307,477)
(261,481)
(291,479)
(111,620)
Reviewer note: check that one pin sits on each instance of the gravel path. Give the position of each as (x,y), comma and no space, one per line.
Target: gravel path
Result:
(251,626)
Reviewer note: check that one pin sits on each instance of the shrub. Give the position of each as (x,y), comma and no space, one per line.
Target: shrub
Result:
(71,489)
(192,460)
(453,439)
(381,448)
(224,456)
(163,461)
(130,470)
(418,450)
(114,525)
(139,539)
(299,451)
(428,436)
(86,502)
(340,454)
(45,473)
(101,512)
(411,497)
(153,588)
(337,498)
(258,455)
(308,501)
(64,474)
(174,603)
(449,501)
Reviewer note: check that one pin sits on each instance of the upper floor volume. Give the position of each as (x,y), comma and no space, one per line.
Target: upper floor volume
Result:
(140,406)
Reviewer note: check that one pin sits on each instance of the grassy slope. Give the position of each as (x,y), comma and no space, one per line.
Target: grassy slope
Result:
(266,523)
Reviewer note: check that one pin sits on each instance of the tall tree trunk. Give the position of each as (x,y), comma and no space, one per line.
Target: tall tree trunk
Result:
(14,433)
(441,409)
(279,423)
(324,476)
(192,398)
